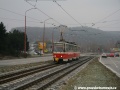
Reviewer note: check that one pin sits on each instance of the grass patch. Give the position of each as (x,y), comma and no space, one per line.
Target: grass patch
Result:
(95,74)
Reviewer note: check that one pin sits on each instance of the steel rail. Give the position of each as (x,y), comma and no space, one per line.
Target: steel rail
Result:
(59,76)
(40,79)
(21,73)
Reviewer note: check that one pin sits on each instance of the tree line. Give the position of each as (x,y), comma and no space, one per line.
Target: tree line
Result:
(12,43)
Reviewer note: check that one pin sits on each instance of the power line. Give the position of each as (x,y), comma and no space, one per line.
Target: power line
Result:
(18,20)
(42,12)
(66,12)
(106,22)
(18,13)
(108,16)
(21,15)
(94,24)
(111,27)
(11,19)
(11,11)
(38,9)
(109,24)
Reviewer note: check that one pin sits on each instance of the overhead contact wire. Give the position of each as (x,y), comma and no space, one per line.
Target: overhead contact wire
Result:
(108,16)
(42,12)
(67,12)
(18,13)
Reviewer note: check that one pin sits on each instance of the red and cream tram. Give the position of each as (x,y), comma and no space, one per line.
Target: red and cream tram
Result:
(65,51)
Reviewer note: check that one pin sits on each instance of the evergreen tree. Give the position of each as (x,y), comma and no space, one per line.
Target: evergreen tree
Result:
(16,44)
(3,39)
(11,43)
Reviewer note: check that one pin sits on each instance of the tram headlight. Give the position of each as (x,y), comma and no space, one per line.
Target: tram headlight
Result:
(61,56)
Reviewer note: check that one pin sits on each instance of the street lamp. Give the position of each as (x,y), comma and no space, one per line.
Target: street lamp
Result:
(25,32)
(53,38)
(44,32)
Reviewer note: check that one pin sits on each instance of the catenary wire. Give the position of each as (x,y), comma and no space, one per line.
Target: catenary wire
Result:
(18,14)
(18,20)
(107,16)
(43,12)
(109,24)
(38,21)
(11,19)
(67,12)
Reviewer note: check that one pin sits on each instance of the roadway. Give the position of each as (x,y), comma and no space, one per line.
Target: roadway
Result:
(46,57)
(112,63)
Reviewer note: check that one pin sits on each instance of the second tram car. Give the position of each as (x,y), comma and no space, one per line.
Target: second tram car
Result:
(65,51)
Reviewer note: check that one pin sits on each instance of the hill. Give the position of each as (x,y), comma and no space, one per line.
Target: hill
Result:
(88,38)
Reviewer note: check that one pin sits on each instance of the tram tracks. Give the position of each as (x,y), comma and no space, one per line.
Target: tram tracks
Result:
(7,77)
(53,77)
(44,79)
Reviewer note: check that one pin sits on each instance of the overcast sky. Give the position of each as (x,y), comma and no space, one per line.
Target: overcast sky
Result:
(102,14)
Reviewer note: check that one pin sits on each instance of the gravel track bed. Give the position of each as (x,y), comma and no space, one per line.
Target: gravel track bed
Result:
(64,81)
(7,77)
(51,78)
(54,77)
(4,69)
(30,78)
(95,74)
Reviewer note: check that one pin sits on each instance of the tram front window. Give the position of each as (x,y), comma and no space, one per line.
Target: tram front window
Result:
(58,49)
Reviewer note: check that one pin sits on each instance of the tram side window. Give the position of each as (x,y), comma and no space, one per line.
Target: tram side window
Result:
(67,47)
(58,48)
(71,47)
(75,48)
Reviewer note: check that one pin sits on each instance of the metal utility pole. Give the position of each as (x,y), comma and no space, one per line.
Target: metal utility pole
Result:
(53,39)
(25,32)
(44,32)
